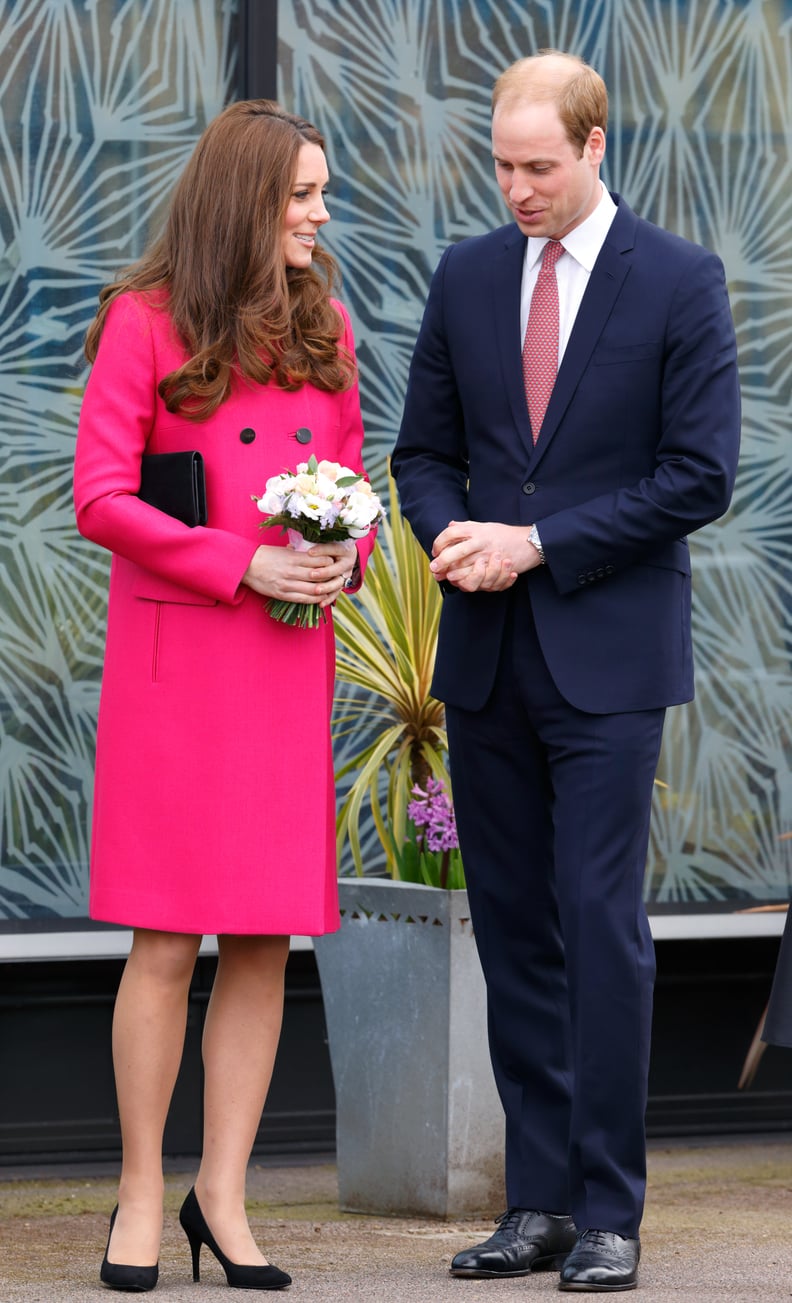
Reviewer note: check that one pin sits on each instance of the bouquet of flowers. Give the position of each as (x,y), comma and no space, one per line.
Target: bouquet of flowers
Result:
(319,502)
(431,854)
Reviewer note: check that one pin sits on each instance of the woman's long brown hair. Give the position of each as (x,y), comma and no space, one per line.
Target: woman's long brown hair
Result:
(235,304)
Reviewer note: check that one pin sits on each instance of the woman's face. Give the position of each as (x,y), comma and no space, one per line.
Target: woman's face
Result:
(306,211)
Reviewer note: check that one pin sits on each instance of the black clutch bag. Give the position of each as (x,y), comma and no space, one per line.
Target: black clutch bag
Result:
(175,482)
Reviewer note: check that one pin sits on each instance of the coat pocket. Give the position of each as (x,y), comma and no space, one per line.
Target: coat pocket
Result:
(153,588)
(164,594)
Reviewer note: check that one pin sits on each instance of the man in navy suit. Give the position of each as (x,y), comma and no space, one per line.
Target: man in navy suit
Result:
(560,541)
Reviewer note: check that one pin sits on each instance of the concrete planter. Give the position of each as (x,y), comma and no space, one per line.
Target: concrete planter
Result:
(419,1123)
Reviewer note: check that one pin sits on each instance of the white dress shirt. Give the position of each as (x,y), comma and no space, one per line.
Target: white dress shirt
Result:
(582,246)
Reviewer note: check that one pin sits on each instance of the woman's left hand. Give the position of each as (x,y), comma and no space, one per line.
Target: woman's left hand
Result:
(336,564)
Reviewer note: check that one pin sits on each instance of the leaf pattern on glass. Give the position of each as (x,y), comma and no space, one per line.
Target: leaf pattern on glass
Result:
(100,106)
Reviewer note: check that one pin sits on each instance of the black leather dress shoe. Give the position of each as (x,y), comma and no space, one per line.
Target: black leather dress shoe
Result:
(601,1260)
(525,1241)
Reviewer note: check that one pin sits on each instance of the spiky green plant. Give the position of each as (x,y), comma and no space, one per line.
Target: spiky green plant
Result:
(386,637)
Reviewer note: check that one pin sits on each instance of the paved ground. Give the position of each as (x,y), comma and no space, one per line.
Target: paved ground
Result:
(718,1227)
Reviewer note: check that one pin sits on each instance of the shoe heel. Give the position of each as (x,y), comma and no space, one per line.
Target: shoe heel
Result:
(195,1243)
(194,1225)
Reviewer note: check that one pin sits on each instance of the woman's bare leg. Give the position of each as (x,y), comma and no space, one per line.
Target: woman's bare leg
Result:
(148,1039)
(241,1034)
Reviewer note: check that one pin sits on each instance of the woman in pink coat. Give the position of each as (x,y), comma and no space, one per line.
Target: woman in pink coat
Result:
(214,806)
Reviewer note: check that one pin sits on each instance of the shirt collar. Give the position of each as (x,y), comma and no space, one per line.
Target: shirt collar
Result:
(583,242)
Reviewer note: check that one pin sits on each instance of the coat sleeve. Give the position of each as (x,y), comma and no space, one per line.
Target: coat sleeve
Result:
(116,419)
(696,459)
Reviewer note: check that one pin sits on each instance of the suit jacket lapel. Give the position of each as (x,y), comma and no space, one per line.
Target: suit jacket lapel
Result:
(607,277)
(507,286)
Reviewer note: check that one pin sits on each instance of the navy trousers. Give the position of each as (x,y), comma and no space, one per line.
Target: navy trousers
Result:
(553,809)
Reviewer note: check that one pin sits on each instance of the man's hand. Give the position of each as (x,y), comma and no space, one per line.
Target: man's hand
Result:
(477,556)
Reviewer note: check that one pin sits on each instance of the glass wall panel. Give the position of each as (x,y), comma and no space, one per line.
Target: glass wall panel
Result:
(699,141)
(100,105)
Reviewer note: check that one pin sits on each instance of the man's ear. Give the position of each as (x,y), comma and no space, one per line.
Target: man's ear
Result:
(594,149)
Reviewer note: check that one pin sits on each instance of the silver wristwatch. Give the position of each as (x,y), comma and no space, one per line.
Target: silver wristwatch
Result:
(533,537)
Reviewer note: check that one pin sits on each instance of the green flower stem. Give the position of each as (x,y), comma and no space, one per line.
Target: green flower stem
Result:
(299,615)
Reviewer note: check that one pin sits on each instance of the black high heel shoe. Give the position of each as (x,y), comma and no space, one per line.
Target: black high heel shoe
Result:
(135,1279)
(237,1275)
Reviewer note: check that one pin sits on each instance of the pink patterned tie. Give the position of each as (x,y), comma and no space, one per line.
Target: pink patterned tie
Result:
(540,350)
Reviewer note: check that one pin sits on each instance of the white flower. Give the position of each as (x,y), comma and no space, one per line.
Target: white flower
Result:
(358,513)
(326,493)
(326,487)
(333,470)
(272,501)
(308,505)
(303,482)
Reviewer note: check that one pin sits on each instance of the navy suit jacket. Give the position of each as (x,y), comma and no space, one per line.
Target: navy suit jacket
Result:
(638,448)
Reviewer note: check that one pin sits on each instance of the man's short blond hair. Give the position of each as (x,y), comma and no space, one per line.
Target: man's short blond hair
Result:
(565,80)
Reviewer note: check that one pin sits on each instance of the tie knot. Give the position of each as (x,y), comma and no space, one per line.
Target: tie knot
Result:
(552,252)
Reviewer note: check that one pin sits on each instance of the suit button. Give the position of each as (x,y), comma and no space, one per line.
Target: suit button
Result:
(610,570)
(529,487)
(247,435)
(581,579)
(601,573)
(591,577)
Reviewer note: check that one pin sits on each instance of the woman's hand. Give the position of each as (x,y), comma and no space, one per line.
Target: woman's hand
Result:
(316,576)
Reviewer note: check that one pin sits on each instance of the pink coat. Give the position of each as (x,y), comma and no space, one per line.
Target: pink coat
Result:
(214,805)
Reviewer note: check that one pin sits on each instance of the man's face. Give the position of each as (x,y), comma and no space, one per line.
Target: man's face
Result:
(547,186)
